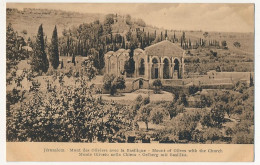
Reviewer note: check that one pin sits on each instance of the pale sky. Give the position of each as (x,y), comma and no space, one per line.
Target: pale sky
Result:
(206,17)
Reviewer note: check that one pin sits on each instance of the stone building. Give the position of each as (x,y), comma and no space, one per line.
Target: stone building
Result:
(163,60)
(115,61)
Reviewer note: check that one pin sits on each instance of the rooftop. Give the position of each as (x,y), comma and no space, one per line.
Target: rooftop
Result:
(164,48)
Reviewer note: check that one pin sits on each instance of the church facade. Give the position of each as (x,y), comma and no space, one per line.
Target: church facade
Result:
(163,60)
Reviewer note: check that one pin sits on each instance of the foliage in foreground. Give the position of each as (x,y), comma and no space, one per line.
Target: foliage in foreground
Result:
(67,114)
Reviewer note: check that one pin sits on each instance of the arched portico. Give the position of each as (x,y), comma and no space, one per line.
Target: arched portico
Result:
(163,60)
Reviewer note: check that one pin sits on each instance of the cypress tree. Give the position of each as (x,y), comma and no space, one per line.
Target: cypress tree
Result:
(45,41)
(148,38)
(73,59)
(123,42)
(251,80)
(54,53)
(61,65)
(39,58)
(183,36)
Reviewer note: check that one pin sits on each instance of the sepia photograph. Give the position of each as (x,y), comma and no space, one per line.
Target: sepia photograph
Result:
(170,73)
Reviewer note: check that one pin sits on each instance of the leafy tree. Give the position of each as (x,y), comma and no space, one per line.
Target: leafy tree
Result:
(212,134)
(229,131)
(157,115)
(146,101)
(243,138)
(205,34)
(174,109)
(11,48)
(88,68)
(120,83)
(54,49)
(14,51)
(217,115)
(193,89)
(183,100)
(129,66)
(184,125)
(109,19)
(107,82)
(240,86)
(243,134)
(66,115)
(158,85)
(144,114)
(218,69)
(224,44)
(112,83)
(139,99)
(39,60)
(237,44)
(206,101)
(229,109)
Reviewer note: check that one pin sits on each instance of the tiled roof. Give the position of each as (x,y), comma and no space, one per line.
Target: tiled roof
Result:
(123,50)
(164,48)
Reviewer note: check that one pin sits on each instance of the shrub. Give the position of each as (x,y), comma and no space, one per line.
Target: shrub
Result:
(243,138)
(146,100)
(193,89)
(139,98)
(158,85)
(212,134)
(112,83)
(157,115)
(237,44)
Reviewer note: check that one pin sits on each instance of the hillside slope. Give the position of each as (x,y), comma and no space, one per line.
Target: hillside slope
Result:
(30,19)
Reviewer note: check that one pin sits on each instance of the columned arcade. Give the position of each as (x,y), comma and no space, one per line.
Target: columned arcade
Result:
(163,60)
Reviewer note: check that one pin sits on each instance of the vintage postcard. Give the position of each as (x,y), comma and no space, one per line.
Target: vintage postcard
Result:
(129,82)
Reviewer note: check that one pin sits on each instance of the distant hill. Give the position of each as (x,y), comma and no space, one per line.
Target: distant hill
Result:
(30,19)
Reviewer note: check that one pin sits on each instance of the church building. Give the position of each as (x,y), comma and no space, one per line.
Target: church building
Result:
(163,60)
